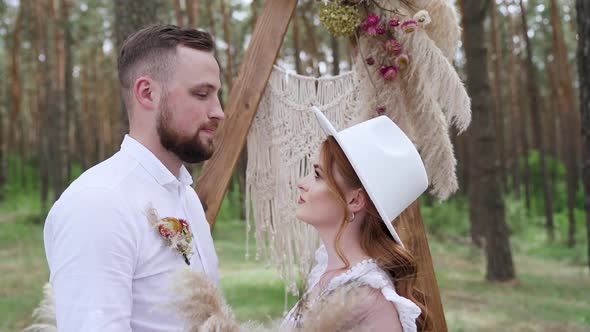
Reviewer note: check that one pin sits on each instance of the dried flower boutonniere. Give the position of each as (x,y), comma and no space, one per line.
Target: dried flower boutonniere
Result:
(175,231)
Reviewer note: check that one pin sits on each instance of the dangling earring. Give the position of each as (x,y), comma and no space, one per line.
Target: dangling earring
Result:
(351,218)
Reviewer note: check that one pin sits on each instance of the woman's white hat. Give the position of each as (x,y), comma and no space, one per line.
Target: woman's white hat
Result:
(386,162)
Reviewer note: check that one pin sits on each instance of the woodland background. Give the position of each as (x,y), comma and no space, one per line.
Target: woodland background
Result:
(524,164)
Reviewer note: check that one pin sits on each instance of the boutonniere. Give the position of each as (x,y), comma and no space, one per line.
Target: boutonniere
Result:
(174,231)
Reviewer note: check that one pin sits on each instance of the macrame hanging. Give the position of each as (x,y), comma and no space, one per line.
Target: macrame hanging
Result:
(282,146)
(425,98)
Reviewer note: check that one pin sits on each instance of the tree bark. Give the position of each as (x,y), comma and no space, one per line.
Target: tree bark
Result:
(335,45)
(524,137)
(486,182)
(311,47)
(497,57)
(569,123)
(228,70)
(583,19)
(536,125)
(515,122)
(211,15)
(131,16)
(15,77)
(70,104)
(179,13)
(192,11)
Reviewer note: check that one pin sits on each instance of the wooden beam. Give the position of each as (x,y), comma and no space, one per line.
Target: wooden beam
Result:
(413,234)
(243,101)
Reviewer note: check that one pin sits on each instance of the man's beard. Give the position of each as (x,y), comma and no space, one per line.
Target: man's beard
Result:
(189,150)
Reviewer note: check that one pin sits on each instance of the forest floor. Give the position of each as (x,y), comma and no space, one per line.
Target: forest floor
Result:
(549,295)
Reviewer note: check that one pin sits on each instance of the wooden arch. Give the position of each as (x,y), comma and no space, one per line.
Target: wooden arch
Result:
(240,110)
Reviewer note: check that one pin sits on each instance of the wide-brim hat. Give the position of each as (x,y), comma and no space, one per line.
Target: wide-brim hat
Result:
(385,160)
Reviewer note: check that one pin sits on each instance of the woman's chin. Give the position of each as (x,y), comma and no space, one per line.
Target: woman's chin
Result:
(300,217)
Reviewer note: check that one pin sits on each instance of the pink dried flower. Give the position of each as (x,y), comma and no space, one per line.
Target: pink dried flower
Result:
(388,73)
(370,61)
(394,22)
(372,30)
(393,46)
(372,19)
(380,110)
(380,30)
(402,61)
(409,26)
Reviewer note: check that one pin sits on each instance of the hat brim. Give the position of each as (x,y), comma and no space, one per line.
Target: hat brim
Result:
(326,125)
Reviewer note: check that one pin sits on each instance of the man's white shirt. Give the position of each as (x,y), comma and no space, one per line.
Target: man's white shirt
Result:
(111,270)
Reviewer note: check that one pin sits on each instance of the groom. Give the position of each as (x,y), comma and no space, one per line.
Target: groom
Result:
(110,257)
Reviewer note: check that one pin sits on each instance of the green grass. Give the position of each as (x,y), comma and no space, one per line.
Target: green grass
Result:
(22,270)
(552,293)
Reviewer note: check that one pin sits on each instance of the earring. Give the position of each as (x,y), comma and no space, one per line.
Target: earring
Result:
(351,218)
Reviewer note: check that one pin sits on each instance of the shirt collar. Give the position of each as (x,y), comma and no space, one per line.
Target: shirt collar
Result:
(152,164)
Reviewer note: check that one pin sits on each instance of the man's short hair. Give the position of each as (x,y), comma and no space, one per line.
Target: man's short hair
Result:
(151,51)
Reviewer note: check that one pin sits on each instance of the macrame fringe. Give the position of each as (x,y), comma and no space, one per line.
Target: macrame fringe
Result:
(282,146)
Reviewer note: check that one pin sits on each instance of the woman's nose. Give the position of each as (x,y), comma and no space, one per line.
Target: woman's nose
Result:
(301,185)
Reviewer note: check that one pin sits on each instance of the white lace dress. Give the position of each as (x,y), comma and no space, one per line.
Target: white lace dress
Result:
(365,273)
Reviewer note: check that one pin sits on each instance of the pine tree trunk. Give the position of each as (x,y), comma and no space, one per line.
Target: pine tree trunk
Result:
(497,57)
(229,65)
(311,47)
(58,146)
(15,76)
(178,12)
(70,105)
(583,19)
(192,11)
(46,125)
(335,45)
(524,137)
(536,125)
(515,122)
(131,16)
(211,16)
(569,123)
(486,183)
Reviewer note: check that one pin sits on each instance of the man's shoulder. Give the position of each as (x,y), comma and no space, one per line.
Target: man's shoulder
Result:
(107,175)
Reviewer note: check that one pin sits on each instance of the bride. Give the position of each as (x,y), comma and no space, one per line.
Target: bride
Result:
(365,177)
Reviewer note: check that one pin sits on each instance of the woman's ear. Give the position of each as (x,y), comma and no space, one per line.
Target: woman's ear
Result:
(356,200)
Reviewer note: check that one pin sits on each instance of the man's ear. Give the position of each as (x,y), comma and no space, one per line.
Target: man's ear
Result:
(357,200)
(145,91)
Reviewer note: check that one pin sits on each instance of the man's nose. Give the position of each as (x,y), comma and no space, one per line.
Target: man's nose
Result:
(217,112)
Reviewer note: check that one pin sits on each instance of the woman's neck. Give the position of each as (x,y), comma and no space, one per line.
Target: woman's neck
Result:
(349,245)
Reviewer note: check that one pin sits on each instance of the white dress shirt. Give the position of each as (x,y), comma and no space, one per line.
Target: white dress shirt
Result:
(109,268)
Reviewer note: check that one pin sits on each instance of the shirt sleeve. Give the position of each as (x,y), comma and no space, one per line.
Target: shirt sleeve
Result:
(91,248)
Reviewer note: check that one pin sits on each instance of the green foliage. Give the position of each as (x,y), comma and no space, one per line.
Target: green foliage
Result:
(557,173)
(448,218)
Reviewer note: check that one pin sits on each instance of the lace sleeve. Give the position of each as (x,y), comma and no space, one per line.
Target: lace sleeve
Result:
(407,310)
(371,275)
(321,261)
